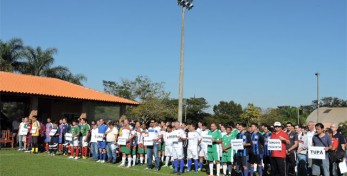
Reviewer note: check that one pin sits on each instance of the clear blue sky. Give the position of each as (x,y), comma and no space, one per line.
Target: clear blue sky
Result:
(265,52)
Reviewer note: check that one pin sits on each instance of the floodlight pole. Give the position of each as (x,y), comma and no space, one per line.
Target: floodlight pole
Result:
(180,96)
(317,74)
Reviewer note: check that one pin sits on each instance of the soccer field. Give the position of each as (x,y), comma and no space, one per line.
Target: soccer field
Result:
(13,162)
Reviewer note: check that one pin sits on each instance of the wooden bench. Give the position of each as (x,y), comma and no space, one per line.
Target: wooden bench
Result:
(6,137)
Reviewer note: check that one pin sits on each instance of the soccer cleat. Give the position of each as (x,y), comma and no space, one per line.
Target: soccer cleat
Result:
(102,161)
(83,157)
(76,158)
(98,161)
(70,157)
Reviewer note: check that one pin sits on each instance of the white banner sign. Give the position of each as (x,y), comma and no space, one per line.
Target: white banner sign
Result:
(172,138)
(237,144)
(23,131)
(148,141)
(122,141)
(99,137)
(207,139)
(52,132)
(33,130)
(316,153)
(68,136)
(274,144)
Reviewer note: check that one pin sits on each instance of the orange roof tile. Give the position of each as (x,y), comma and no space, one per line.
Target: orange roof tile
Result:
(27,84)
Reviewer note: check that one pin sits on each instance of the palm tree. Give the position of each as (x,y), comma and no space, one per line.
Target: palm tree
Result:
(10,55)
(39,63)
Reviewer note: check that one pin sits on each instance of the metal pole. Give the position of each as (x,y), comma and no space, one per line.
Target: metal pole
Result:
(298,116)
(180,96)
(317,74)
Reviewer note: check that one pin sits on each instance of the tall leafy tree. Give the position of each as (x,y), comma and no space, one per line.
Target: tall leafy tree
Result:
(10,55)
(228,111)
(251,114)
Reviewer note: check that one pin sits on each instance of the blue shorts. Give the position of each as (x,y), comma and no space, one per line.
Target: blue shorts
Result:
(48,139)
(60,140)
(101,144)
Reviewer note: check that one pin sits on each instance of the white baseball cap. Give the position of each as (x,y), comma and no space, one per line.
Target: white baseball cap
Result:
(277,124)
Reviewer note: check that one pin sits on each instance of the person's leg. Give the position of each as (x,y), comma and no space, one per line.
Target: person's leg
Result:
(94,147)
(325,165)
(109,151)
(20,145)
(274,167)
(157,159)
(316,167)
(114,154)
(149,156)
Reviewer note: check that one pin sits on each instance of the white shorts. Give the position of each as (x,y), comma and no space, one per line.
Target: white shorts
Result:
(177,153)
(84,144)
(75,142)
(192,153)
(168,150)
(203,151)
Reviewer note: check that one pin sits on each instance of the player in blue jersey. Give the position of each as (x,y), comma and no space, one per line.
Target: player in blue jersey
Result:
(243,155)
(102,142)
(266,152)
(256,149)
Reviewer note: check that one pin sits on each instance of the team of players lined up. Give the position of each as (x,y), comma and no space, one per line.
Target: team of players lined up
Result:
(165,143)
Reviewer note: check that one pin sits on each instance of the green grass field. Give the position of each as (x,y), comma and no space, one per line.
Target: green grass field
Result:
(14,162)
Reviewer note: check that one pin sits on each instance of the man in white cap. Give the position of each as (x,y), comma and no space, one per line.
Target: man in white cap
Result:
(278,157)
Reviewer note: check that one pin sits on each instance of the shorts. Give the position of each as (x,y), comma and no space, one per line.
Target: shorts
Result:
(177,153)
(47,139)
(101,144)
(242,160)
(168,151)
(126,149)
(75,142)
(203,151)
(213,155)
(228,156)
(60,140)
(192,153)
(162,146)
(140,149)
(84,144)
(24,139)
(254,159)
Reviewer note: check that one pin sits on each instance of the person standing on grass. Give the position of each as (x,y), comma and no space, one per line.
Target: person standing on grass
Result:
(93,140)
(203,147)
(84,133)
(228,153)
(321,140)
(257,145)
(278,157)
(194,139)
(340,148)
(28,137)
(35,133)
(21,136)
(140,146)
(213,155)
(153,133)
(111,142)
(54,139)
(75,131)
(65,129)
(102,144)
(49,127)
(267,153)
(291,149)
(126,149)
(243,155)
(301,160)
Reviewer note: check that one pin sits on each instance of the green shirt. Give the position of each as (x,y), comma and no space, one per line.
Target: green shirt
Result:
(227,140)
(216,135)
(234,133)
(84,129)
(75,130)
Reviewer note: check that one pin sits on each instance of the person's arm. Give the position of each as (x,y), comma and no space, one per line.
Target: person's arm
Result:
(249,139)
(115,136)
(342,142)
(296,144)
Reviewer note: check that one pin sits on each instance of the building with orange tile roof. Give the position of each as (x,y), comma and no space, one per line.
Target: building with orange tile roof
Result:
(55,98)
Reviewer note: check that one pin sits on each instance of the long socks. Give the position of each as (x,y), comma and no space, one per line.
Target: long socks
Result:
(196,165)
(123,160)
(181,166)
(176,165)
(141,159)
(167,161)
(189,164)
(225,169)
(134,160)
(218,169)
(260,170)
(129,161)
(211,168)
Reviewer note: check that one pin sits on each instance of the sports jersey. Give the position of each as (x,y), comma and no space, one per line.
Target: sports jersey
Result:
(84,129)
(280,153)
(126,133)
(37,126)
(246,137)
(267,136)
(234,133)
(179,133)
(102,128)
(193,139)
(257,143)
(75,130)
(168,138)
(49,127)
(153,133)
(216,135)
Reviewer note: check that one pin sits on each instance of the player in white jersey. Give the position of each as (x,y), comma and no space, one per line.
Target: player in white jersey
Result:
(177,152)
(203,147)
(167,137)
(223,132)
(194,139)
(129,134)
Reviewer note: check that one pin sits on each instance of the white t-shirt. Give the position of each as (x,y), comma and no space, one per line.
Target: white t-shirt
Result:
(140,136)
(199,131)
(193,139)
(179,133)
(153,132)
(126,133)
(204,133)
(309,138)
(21,125)
(110,137)
(167,138)
(93,134)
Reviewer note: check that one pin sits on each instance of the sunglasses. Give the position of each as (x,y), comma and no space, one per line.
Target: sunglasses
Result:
(277,127)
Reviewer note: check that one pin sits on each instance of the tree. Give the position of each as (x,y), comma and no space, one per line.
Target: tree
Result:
(154,100)
(251,114)
(330,102)
(228,111)
(196,109)
(39,63)
(10,54)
